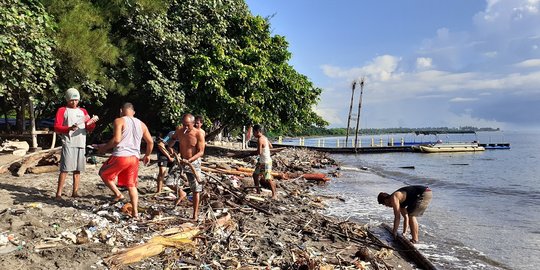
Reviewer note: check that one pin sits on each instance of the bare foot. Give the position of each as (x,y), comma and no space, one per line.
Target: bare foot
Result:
(75,195)
(58,197)
(118,198)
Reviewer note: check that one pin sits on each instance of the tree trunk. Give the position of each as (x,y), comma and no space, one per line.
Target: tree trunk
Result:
(21,116)
(210,136)
(32,123)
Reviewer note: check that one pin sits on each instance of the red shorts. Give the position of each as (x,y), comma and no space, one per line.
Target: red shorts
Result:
(125,168)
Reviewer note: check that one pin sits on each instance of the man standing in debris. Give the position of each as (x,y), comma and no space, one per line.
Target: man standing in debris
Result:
(124,162)
(410,202)
(164,158)
(72,123)
(191,150)
(264,164)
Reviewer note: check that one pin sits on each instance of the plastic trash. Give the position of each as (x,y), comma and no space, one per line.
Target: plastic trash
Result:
(35,205)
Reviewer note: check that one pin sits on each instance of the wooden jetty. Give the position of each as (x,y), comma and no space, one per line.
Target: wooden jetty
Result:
(407,147)
(352,150)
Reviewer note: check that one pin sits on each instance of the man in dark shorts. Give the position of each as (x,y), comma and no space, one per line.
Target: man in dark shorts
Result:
(410,202)
(164,159)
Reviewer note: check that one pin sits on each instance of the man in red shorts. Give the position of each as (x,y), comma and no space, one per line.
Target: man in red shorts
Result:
(124,162)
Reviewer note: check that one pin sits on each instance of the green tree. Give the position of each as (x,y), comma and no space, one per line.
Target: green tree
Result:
(26,59)
(85,52)
(216,58)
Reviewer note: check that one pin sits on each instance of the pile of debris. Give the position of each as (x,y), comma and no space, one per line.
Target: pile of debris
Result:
(38,162)
(238,228)
(242,229)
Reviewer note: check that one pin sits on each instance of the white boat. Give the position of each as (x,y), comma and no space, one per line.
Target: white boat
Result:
(451,147)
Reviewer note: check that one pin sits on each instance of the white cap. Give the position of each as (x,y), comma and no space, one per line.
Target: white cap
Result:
(72,93)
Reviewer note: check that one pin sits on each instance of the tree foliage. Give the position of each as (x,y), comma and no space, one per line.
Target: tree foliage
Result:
(171,57)
(26,59)
(215,58)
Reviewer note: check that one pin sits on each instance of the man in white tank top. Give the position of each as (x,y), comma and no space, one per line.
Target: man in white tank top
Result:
(264,165)
(124,162)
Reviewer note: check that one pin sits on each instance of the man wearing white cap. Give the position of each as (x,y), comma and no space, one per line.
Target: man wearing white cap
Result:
(72,123)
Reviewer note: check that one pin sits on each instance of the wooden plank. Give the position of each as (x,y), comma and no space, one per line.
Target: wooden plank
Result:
(412,252)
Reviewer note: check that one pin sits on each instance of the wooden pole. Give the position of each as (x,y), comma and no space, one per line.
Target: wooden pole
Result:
(350,111)
(359,108)
(32,124)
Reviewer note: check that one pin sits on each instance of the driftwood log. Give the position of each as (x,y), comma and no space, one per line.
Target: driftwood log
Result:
(42,169)
(29,160)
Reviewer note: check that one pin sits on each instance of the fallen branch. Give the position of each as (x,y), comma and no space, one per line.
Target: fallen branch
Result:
(240,197)
(154,247)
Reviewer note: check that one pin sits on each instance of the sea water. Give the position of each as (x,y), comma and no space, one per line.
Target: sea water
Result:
(485,212)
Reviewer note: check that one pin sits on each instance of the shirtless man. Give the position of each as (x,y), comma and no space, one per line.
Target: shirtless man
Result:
(124,162)
(410,202)
(264,165)
(199,123)
(191,150)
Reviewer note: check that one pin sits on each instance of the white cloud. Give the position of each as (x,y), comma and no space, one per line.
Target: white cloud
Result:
(332,115)
(424,63)
(462,99)
(491,54)
(381,68)
(529,63)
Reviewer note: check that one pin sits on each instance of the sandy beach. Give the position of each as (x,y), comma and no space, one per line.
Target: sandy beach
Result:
(237,228)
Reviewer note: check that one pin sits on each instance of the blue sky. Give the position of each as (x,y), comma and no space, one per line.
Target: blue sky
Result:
(426,62)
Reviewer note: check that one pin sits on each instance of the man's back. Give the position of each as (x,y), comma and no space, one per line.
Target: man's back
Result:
(132,133)
(264,156)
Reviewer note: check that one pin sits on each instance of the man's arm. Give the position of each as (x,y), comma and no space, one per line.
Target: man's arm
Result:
(59,121)
(200,147)
(149,143)
(395,206)
(118,125)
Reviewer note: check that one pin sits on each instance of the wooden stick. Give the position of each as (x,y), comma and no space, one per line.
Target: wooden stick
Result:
(240,197)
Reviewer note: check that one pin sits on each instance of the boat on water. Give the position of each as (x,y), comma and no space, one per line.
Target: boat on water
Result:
(441,147)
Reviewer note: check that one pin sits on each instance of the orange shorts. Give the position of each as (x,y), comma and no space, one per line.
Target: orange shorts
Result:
(125,168)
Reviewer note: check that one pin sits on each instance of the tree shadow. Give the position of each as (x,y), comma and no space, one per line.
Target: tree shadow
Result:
(25,195)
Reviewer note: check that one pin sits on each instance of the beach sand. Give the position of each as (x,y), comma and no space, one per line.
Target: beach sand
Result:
(80,233)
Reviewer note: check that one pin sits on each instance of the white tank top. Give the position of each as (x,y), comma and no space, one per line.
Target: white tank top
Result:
(265,154)
(130,144)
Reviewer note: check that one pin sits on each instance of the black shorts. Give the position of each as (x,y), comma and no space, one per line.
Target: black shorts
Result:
(163,161)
